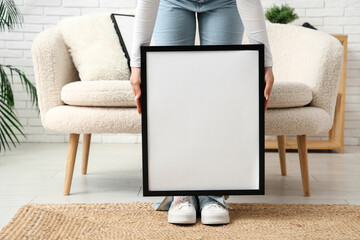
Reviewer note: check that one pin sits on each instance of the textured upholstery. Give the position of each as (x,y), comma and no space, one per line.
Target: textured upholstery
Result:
(309,56)
(289,94)
(296,121)
(300,55)
(72,119)
(53,68)
(100,93)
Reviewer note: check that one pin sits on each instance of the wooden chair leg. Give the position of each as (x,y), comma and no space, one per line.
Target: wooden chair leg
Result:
(282,153)
(85,153)
(301,142)
(73,144)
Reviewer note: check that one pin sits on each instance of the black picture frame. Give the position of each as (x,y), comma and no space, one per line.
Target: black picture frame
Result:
(121,39)
(255,47)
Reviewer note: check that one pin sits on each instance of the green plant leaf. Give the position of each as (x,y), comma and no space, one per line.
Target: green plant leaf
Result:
(9,112)
(6,86)
(30,88)
(3,140)
(6,133)
(10,15)
(6,128)
(284,14)
(6,90)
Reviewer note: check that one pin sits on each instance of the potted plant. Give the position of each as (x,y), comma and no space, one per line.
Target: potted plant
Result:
(10,17)
(284,14)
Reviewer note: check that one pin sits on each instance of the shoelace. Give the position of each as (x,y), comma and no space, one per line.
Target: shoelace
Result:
(184,201)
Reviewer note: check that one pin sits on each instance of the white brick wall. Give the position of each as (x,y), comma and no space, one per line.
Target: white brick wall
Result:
(332,16)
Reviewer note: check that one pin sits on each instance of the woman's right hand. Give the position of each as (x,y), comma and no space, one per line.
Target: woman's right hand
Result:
(135,79)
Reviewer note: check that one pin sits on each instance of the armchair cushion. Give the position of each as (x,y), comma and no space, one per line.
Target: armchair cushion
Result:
(94,47)
(296,121)
(289,94)
(100,93)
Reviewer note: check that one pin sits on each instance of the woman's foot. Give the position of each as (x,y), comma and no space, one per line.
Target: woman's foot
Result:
(182,210)
(214,213)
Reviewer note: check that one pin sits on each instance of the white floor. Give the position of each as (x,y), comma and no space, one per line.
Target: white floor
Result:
(34,173)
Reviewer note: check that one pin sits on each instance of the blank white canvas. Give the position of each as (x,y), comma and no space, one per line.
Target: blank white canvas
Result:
(203,120)
(126,27)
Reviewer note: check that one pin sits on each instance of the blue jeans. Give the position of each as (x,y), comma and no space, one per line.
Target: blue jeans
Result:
(219,23)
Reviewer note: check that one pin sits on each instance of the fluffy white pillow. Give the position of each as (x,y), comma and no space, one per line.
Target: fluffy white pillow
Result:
(95,47)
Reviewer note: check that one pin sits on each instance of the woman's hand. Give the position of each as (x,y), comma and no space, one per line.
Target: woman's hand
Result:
(269,81)
(135,80)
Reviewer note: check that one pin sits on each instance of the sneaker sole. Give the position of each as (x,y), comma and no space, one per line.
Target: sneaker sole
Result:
(182,219)
(215,219)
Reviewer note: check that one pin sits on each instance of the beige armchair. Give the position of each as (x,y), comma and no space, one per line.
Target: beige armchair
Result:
(57,79)
(307,64)
(307,68)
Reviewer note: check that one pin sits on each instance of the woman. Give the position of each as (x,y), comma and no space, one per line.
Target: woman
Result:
(173,22)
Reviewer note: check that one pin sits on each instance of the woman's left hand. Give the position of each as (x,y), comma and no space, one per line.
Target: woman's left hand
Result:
(269,81)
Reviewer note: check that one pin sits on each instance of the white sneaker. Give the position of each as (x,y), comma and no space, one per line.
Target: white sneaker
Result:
(214,213)
(182,210)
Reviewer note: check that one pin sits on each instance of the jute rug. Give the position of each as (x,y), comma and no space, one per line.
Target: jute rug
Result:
(138,220)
